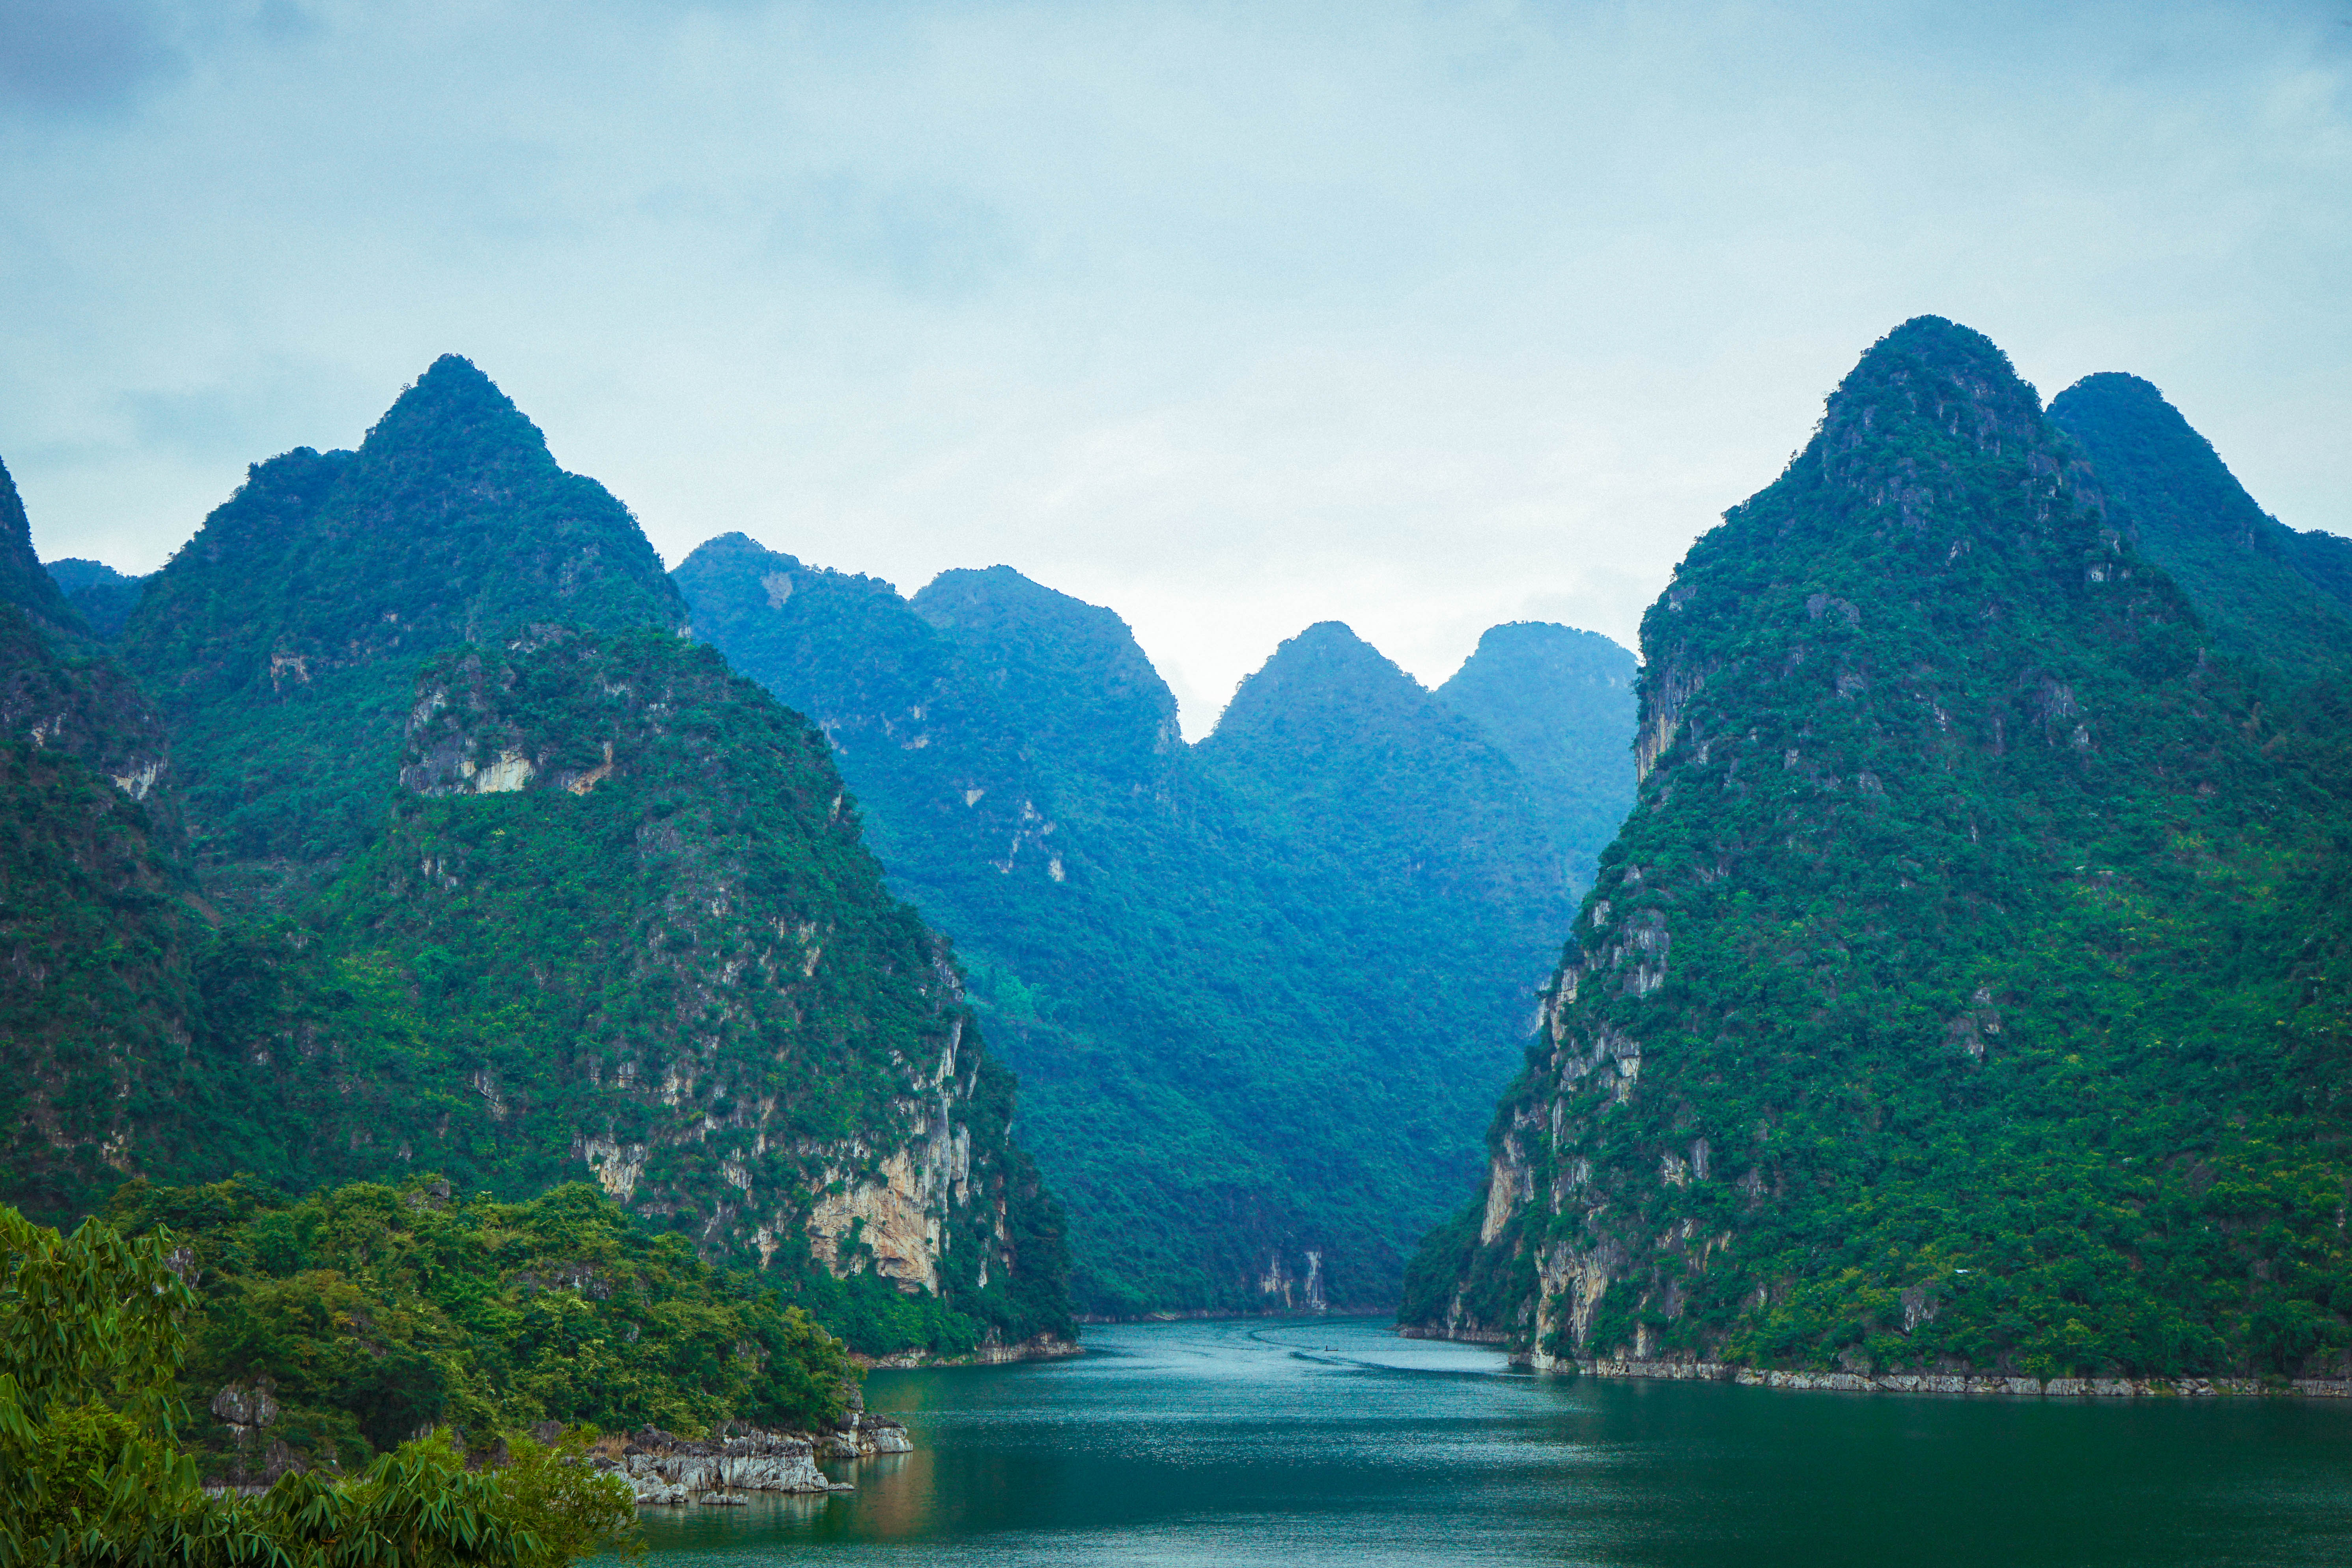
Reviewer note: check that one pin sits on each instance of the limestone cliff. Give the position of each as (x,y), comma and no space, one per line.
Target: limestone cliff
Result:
(621,923)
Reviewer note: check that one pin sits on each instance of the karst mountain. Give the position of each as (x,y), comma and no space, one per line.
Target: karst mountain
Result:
(1965,990)
(402,832)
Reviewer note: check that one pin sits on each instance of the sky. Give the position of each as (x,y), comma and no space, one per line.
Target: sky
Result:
(1231,317)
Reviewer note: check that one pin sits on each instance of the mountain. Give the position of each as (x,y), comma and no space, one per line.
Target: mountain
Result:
(98,930)
(1559,703)
(520,887)
(282,641)
(1410,842)
(100,595)
(1966,989)
(2267,593)
(23,581)
(618,921)
(1240,1109)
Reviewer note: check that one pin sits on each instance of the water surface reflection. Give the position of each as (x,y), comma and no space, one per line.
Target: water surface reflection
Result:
(1334,1442)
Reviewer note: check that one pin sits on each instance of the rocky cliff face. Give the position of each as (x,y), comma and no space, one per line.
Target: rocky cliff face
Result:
(1896,1035)
(736,1029)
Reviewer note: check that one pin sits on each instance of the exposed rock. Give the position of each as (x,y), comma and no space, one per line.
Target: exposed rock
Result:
(668,1471)
(1959,1382)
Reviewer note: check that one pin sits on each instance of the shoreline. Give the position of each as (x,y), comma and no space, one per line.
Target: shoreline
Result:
(1999,1385)
(1210,1314)
(1042,1348)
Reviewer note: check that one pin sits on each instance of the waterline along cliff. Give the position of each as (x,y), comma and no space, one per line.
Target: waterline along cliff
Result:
(1965,993)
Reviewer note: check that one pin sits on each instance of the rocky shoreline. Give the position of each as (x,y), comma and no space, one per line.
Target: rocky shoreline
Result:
(666,1471)
(1045,1347)
(1971,1383)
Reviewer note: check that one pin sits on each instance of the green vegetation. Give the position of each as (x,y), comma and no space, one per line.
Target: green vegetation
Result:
(493,875)
(1559,703)
(283,641)
(1968,987)
(2279,600)
(1261,991)
(92,1347)
(372,1313)
(100,595)
(23,581)
(98,937)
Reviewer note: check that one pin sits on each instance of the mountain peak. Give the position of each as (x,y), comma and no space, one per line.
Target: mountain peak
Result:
(2266,591)
(1560,704)
(1326,669)
(1927,376)
(1566,651)
(461,416)
(1071,673)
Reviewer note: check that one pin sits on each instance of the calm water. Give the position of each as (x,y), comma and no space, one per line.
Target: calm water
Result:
(1335,1442)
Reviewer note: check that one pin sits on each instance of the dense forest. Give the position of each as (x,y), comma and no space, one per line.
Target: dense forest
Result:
(1966,989)
(1260,990)
(476,1314)
(399,830)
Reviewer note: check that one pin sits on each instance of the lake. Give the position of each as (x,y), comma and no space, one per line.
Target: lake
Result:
(1334,1442)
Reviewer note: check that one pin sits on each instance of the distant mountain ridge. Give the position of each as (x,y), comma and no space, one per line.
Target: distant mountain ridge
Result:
(1559,703)
(100,595)
(1251,986)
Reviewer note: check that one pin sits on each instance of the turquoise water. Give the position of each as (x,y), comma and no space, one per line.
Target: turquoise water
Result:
(1302,1442)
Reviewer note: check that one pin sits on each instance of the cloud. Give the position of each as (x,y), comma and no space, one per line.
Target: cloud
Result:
(81,54)
(1232,317)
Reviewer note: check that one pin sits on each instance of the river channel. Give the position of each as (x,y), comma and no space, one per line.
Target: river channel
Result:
(1334,1442)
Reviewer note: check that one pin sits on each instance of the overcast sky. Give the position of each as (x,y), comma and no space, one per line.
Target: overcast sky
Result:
(1232,317)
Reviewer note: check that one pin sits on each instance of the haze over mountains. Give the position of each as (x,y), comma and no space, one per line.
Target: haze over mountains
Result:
(1259,990)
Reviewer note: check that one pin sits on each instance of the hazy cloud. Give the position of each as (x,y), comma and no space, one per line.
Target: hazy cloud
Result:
(67,55)
(1234,317)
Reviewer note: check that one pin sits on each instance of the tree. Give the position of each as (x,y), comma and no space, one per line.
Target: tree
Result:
(90,1345)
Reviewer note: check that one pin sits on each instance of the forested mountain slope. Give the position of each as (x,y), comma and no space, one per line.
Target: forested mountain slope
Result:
(1966,988)
(98,929)
(100,595)
(2270,595)
(1559,703)
(1247,1069)
(550,895)
(24,582)
(282,640)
